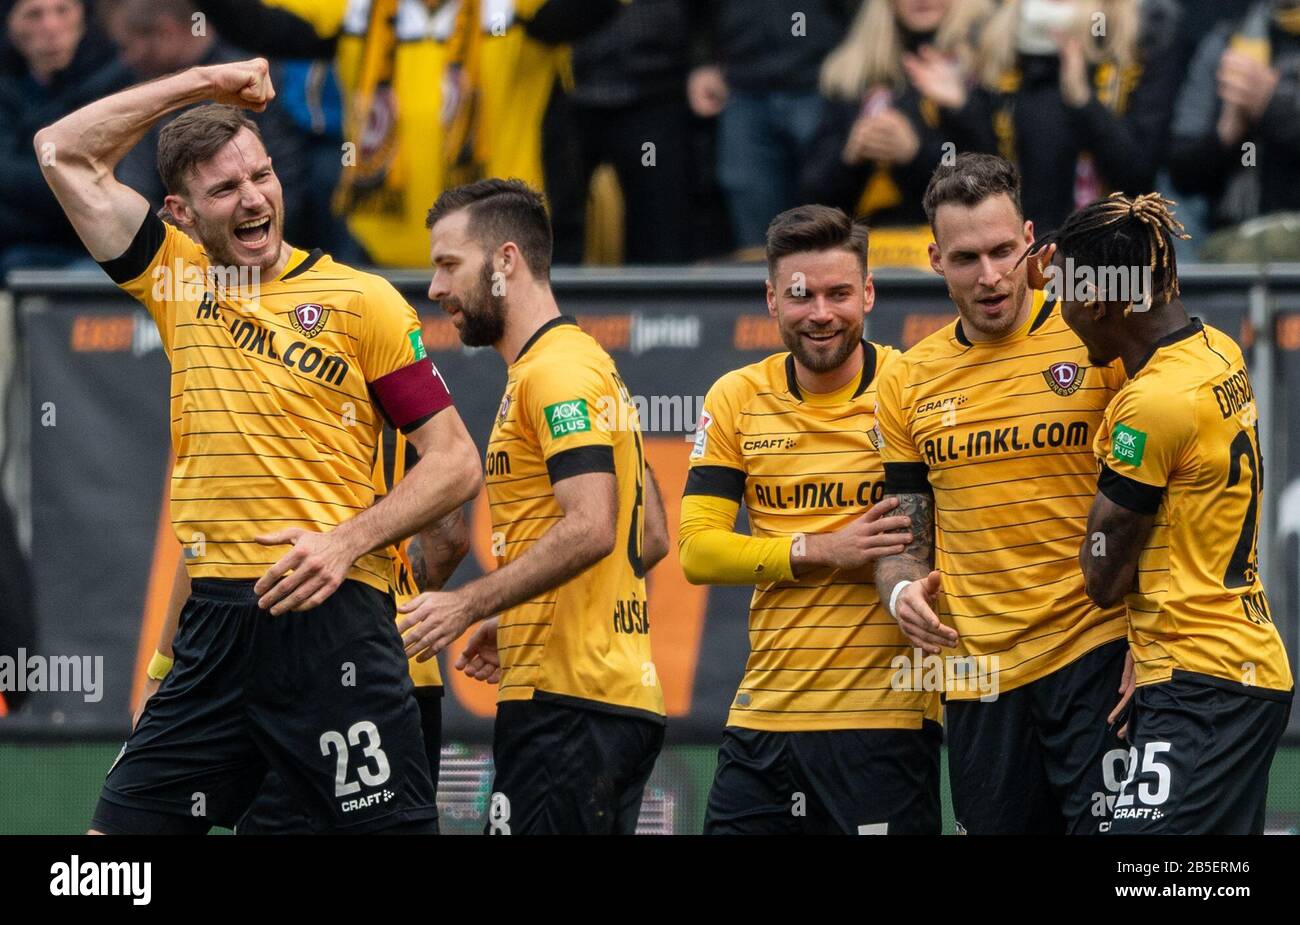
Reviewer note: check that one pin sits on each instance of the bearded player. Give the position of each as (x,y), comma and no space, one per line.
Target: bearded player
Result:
(284,661)
(577,522)
(819,711)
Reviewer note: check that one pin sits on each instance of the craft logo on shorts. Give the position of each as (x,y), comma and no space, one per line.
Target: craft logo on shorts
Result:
(568,417)
(1064,378)
(308,319)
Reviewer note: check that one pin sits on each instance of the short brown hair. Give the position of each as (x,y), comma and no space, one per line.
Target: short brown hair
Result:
(969,180)
(501,211)
(814,228)
(193,137)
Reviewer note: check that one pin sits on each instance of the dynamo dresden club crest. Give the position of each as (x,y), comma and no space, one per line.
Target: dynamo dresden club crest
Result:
(1064,378)
(308,319)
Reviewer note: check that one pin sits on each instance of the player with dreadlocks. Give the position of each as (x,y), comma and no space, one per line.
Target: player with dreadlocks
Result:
(1172,530)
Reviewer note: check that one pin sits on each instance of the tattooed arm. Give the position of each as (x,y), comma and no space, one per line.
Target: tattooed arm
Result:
(437,549)
(914,609)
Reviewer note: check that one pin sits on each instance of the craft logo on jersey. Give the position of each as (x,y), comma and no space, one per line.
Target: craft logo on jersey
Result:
(308,319)
(1064,378)
(504,409)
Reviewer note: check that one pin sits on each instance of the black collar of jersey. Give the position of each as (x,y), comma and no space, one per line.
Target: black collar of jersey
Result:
(1043,314)
(553,323)
(1191,329)
(312,258)
(867,373)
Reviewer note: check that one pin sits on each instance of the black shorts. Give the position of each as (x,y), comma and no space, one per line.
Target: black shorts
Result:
(569,770)
(838,782)
(1041,759)
(276,810)
(323,698)
(1199,758)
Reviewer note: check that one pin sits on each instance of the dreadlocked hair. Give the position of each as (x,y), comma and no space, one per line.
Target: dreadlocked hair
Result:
(1121,232)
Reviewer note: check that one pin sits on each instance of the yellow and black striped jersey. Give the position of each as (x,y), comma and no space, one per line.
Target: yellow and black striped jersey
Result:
(1002,433)
(272,416)
(566,412)
(1180,441)
(394,455)
(822,649)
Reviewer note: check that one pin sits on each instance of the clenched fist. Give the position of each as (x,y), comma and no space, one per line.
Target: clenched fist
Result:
(246,84)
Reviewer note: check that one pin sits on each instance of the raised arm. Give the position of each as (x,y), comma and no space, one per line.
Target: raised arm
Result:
(79,152)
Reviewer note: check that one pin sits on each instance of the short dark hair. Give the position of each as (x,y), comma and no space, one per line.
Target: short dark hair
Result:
(500,211)
(969,180)
(814,228)
(193,137)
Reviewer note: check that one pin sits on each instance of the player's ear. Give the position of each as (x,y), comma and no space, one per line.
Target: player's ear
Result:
(933,250)
(179,210)
(868,294)
(771,298)
(1029,232)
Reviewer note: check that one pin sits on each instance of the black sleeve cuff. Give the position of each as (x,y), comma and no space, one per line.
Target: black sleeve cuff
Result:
(719,481)
(579,461)
(907,479)
(144,247)
(1138,497)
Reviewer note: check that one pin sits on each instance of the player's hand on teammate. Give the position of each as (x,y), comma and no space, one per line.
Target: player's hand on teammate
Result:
(869,537)
(481,659)
(433,621)
(246,84)
(914,612)
(1127,684)
(305,576)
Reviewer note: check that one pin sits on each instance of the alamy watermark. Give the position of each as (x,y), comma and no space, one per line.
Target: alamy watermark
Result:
(951,674)
(1071,282)
(23,673)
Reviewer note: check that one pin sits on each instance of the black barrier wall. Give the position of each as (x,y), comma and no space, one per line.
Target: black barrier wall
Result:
(93,437)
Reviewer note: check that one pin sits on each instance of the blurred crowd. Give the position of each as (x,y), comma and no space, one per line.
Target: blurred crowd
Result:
(672,131)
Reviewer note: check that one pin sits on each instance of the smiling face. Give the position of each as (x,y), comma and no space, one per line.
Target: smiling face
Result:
(975,251)
(819,299)
(462,282)
(233,205)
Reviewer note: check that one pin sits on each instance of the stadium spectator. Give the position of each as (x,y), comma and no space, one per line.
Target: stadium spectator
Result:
(54,61)
(160,37)
(897,92)
(757,65)
(1081,96)
(1236,134)
(629,90)
(406,137)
